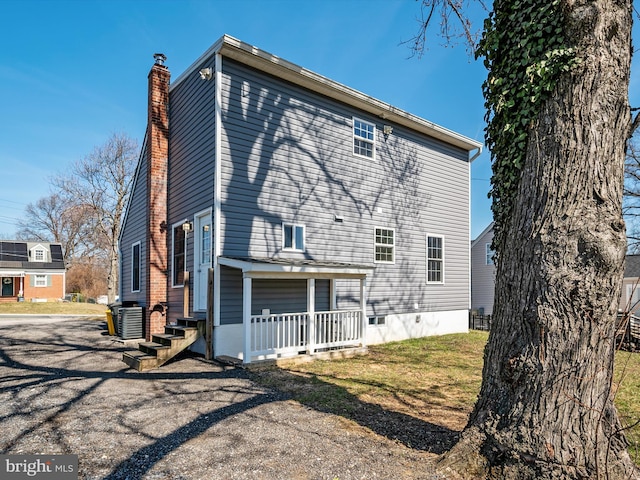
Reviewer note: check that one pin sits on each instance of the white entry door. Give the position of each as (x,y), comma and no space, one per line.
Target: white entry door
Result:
(202,245)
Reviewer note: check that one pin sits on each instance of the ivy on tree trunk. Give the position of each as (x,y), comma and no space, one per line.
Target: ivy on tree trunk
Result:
(545,408)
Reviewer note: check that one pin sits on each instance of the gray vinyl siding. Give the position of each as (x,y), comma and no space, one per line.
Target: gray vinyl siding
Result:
(482,275)
(134,230)
(230,296)
(287,157)
(287,296)
(191,162)
(279,296)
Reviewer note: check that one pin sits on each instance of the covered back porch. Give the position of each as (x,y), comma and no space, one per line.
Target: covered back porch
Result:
(269,332)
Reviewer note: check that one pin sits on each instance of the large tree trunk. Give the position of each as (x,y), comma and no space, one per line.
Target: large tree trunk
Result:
(545,408)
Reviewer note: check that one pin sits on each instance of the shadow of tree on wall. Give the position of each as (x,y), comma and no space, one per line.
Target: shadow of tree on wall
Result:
(287,159)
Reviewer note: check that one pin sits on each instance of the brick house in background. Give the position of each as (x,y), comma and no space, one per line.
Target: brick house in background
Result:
(31,271)
(292,212)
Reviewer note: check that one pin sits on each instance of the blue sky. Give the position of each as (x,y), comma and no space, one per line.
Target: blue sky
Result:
(73,72)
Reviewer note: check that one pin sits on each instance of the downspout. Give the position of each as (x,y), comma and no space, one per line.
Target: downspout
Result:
(475,155)
(217,192)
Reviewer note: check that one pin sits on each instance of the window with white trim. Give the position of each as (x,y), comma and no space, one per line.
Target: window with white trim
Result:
(178,255)
(135,267)
(489,253)
(435,259)
(364,135)
(384,243)
(40,281)
(292,237)
(38,255)
(378,321)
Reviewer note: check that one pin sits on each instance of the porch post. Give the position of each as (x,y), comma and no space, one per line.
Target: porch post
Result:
(333,304)
(311,310)
(246,319)
(363,310)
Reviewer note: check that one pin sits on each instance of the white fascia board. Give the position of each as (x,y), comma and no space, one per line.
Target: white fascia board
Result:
(259,59)
(484,232)
(12,273)
(271,270)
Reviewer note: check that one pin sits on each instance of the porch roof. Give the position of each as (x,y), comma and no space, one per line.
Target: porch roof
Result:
(292,268)
(7,272)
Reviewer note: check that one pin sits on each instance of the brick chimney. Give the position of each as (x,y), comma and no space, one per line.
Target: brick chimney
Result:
(157,147)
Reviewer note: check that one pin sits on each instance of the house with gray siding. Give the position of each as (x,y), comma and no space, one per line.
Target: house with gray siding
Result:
(483,273)
(293,214)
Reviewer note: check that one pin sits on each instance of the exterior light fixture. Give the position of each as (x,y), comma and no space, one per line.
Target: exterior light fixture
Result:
(187,227)
(387,130)
(206,73)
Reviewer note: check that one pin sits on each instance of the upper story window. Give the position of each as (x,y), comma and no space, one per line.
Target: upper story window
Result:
(489,254)
(292,237)
(385,245)
(364,135)
(435,259)
(39,254)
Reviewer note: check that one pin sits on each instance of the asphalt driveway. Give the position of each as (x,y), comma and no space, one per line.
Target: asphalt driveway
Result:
(65,390)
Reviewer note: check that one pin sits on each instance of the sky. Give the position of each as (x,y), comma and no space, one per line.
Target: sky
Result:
(72,72)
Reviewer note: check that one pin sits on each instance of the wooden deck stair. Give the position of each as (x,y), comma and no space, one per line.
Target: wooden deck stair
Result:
(164,346)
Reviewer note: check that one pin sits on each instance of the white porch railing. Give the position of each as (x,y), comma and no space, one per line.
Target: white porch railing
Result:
(288,334)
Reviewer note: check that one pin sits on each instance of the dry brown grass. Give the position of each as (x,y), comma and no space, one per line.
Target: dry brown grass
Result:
(52,308)
(404,389)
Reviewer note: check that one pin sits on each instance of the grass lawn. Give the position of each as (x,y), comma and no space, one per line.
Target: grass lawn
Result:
(53,308)
(422,385)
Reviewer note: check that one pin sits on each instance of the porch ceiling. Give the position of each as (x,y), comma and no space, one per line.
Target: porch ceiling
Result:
(290,268)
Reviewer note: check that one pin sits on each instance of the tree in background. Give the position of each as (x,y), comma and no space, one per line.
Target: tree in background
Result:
(57,218)
(100,182)
(631,205)
(558,121)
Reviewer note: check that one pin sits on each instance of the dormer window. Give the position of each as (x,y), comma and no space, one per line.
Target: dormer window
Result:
(39,254)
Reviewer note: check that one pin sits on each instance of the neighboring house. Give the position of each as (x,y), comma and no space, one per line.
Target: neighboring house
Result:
(630,298)
(483,273)
(31,271)
(302,214)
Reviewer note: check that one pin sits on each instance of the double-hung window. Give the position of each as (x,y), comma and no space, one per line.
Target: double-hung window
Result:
(435,259)
(178,255)
(39,255)
(364,134)
(292,237)
(135,267)
(385,243)
(489,254)
(40,281)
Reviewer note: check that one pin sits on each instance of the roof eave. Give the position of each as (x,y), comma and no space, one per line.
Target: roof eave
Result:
(261,60)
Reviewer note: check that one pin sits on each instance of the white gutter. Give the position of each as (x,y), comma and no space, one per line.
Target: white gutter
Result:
(261,60)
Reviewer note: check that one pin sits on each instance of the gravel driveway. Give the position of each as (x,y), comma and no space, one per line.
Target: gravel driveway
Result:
(65,390)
